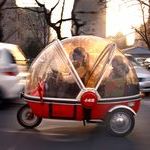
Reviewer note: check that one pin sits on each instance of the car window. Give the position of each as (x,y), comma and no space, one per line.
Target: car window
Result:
(18,55)
(16,51)
(51,69)
(11,58)
(133,61)
(120,78)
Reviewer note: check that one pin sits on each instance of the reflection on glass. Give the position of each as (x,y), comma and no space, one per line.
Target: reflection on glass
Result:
(64,68)
(119,80)
(92,50)
(51,70)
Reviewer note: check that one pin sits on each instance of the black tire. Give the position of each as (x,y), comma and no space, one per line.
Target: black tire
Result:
(120,122)
(27,118)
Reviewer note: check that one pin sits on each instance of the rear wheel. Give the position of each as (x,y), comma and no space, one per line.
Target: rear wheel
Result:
(27,118)
(120,122)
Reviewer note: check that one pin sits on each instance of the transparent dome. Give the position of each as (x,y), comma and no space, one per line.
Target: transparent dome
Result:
(65,68)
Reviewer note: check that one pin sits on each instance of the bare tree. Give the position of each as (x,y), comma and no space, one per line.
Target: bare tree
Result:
(144,30)
(48,16)
(56,26)
(77,22)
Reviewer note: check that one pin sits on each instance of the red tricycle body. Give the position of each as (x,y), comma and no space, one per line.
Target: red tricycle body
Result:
(82,78)
(75,111)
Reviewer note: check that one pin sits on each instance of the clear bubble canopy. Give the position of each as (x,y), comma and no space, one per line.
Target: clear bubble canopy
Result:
(65,68)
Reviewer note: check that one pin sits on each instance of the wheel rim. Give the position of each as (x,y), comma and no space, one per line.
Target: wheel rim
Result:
(28,117)
(120,122)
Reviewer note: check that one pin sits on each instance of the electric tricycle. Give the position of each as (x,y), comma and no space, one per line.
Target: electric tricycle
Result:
(83,78)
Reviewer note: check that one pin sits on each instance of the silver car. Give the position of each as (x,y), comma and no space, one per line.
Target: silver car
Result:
(142,74)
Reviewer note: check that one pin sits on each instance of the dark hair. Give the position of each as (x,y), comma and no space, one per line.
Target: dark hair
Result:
(118,63)
(78,52)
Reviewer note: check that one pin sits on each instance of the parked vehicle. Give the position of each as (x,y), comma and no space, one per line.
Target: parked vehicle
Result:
(83,78)
(142,73)
(11,59)
(147,63)
(140,60)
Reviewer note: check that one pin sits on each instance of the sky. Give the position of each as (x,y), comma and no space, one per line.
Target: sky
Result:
(123,16)
(120,17)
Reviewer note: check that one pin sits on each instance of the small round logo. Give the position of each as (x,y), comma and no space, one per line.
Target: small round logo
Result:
(88,99)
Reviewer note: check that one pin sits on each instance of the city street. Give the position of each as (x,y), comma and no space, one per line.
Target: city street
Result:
(75,59)
(64,135)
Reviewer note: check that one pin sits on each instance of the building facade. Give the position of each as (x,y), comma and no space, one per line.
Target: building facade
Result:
(90,16)
(22,25)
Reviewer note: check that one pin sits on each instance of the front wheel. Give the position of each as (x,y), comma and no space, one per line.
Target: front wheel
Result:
(27,118)
(120,122)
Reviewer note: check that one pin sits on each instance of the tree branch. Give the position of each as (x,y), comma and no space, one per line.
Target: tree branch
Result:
(55,5)
(144,3)
(140,33)
(61,20)
(39,4)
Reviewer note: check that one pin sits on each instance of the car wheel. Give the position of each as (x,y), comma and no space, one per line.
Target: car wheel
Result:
(27,118)
(120,123)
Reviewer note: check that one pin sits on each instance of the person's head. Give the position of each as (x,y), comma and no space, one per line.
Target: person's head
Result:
(119,67)
(78,57)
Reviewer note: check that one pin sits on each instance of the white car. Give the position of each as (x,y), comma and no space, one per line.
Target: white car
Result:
(10,86)
(142,74)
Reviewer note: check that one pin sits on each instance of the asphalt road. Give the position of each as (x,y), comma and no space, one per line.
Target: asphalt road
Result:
(64,135)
